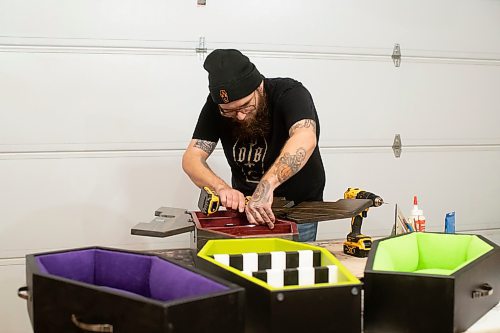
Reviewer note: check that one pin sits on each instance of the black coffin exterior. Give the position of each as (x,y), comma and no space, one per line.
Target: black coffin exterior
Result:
(297,310)
(54,300)
(416,303)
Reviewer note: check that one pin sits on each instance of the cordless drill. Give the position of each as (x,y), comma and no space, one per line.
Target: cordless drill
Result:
(357,244)
(209,201)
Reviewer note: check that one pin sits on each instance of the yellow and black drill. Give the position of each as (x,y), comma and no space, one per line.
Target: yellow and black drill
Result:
(209,201)
(357,244)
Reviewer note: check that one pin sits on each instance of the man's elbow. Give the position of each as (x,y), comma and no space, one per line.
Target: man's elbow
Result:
(314,141)
(192,162)
(186,157)
(310,141)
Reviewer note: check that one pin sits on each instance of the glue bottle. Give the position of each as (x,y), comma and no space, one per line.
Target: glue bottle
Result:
(418,216)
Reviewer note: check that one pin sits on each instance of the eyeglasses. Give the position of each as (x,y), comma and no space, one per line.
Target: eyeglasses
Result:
(246,108)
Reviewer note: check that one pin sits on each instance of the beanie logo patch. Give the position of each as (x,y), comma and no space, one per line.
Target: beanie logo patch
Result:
(224,96)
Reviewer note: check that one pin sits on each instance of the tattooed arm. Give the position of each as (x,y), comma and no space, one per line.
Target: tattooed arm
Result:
(194,163)
(293,156)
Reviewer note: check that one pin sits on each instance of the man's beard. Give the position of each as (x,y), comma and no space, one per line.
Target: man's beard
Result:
(257,126)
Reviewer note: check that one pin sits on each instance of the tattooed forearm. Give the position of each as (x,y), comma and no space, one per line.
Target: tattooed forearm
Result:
(288,165)
(302,124)
(261,193)
(207,146)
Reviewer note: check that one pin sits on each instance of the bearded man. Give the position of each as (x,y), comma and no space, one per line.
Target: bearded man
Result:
(269,131)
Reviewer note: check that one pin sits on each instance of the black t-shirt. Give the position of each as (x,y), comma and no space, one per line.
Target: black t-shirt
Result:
(288,101)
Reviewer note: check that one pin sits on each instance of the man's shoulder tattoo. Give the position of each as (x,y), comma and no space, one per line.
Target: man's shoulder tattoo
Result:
(304,123)
(207,146)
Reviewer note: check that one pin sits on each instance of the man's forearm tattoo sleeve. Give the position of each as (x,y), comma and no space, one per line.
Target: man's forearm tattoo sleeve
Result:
(288,164)
(207,146)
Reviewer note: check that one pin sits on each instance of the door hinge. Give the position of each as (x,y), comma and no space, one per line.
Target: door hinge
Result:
(396,55)
(397,146)
(201,50)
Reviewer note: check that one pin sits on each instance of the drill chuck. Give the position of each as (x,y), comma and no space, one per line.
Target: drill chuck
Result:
(378,201)
(356,193)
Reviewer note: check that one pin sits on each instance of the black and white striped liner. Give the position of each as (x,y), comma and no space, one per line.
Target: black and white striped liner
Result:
(251,262)
(280,268)
(301,276)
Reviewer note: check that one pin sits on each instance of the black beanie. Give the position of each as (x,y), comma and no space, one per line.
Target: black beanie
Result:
(231,75)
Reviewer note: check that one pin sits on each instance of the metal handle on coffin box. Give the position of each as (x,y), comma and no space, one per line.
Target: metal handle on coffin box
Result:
(484,290)
(91,327)
(23,293)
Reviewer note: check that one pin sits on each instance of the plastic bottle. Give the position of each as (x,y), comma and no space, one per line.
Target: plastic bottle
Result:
(449,223)
(418,216)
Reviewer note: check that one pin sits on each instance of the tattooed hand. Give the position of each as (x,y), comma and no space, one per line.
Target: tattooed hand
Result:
(258,209)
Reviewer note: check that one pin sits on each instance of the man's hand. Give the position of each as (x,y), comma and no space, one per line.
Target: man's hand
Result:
(258,209)
(231,198)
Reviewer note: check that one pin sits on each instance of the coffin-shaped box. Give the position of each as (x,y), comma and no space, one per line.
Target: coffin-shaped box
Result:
(219,225)
(430,282)
(316,301)
(226,225)
(107,290)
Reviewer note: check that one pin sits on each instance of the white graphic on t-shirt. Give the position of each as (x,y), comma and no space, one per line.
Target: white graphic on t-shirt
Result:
(249,156)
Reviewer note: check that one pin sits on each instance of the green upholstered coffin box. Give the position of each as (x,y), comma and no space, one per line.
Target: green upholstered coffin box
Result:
(430,282)
(109,290)
(290,286)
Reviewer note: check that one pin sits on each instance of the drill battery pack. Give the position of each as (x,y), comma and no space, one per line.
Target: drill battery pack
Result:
(359,248)
(209,202)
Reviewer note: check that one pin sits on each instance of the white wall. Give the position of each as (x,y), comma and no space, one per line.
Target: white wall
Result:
(98,99)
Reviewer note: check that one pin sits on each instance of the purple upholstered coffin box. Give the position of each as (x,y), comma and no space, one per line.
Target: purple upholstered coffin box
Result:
(108,290)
